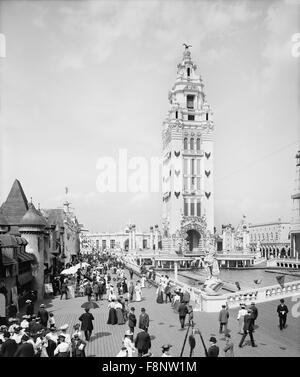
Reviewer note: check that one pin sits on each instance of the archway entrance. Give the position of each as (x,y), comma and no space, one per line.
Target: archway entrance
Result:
(193,238)
(126,244)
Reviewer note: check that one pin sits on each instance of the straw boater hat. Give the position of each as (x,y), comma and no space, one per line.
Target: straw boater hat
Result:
(42,306)
(128,333)
(166,347)
(64,327)
(27,301)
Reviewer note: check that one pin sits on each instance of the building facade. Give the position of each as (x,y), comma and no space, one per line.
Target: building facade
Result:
(33,244)
(188,191)
(129,239)
(271,239)
(295,223)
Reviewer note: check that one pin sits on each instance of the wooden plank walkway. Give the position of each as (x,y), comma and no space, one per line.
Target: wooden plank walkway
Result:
(164,328)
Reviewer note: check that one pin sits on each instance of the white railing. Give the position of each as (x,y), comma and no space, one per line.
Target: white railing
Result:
(263,294)
(203,302)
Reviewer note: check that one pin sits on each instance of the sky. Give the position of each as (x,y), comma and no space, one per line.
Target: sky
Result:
(81,80)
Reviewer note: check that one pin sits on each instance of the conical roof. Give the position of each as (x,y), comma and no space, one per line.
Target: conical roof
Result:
(33,218)
(16,204)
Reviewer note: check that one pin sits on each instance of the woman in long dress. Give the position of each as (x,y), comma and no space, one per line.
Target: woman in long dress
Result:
(128,343)
(112,315)
(119,313)
(176,301)
(160,295)
(138,292)
(143,279)
(111,293)
(240,317)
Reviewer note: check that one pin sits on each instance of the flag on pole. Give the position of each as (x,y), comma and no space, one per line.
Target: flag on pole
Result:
(67,190)
(238,285)
(257,281)
(280,280)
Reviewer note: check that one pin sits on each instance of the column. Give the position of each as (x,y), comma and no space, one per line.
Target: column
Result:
(133,238)
(156,237)
(151,238)
(175,271)
(130,240)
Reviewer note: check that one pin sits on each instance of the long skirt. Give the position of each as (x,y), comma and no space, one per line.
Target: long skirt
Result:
(160,298)
(176,306)
(112,317)
(120,316)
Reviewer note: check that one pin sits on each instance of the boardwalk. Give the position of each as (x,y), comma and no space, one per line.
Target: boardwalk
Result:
(164,328)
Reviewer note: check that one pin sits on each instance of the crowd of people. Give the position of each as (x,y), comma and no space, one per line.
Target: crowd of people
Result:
(35,334)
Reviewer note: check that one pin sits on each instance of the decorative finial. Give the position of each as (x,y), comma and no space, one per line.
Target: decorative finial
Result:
(31,200)
(186,46)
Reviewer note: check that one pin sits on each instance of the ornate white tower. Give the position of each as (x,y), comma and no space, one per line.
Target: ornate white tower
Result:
(188,209)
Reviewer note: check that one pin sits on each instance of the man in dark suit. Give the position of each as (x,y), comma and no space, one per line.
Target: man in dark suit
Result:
(182,311)
(87,323)
(29,307)
(142,342)
(132,320)
(213,350)
(43,315)
(144,320)
(282,311)
(9,347)
(248,328)
(254,314)
(25,349)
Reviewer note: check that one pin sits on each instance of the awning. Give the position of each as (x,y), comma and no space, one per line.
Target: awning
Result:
(24,278)
(8,261)
(25,257)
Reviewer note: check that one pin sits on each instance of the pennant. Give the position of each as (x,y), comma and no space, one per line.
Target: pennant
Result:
(257,281)
(280,280)
(207,194)
(238,285)
(67,190)
(177,172)
(207,173)
(177,194)
(177,154)
(207,155)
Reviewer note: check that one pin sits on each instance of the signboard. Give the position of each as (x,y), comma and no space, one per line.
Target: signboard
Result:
(48,288)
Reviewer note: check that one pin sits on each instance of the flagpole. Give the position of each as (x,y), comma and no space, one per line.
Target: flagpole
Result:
(181,353)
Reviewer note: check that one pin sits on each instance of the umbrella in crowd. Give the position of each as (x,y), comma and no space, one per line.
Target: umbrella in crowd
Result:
(72,270)
(90,305)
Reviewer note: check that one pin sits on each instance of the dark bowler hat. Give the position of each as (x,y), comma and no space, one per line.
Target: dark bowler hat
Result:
(213,339)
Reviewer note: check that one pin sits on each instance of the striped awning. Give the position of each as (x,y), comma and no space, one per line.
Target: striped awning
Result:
(25,257)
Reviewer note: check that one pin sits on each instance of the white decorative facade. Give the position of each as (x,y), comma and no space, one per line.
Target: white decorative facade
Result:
(129,239)
(188,190)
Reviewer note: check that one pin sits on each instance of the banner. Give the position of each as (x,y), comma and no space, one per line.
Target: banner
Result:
(2,305)
(15,297)
(280,280)
(48,288)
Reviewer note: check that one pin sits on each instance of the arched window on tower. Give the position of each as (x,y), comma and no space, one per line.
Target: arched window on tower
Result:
(192,144)
(176,114)
(185,143)
(206,116)
(188,72)
(198,144)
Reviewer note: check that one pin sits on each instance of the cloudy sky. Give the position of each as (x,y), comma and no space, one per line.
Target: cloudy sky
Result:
(83,79)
